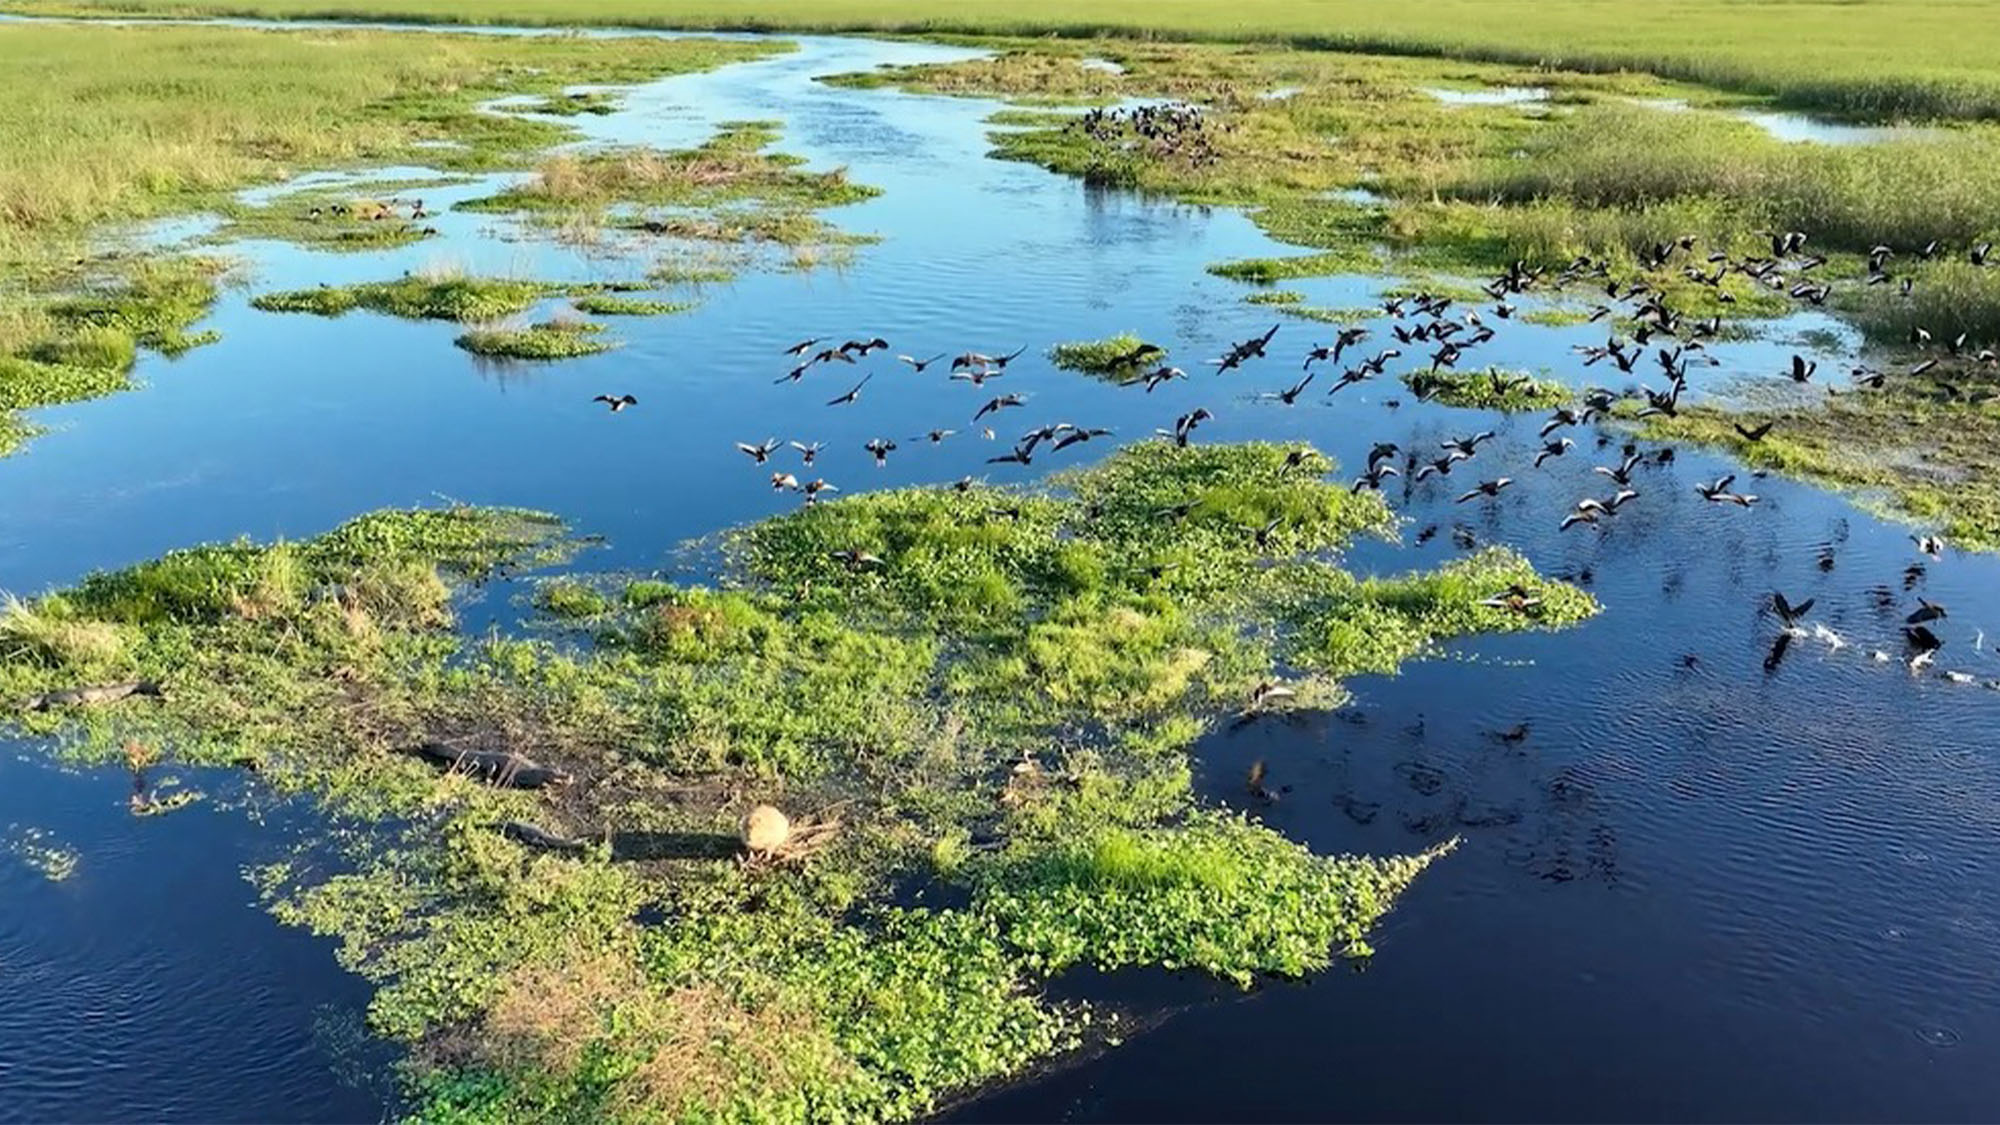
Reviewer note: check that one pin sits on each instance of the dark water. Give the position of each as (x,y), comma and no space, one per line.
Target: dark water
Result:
(1697,888)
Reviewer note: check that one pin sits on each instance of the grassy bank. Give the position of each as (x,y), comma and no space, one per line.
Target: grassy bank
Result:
(107,126)
(976,710)
(1868,58)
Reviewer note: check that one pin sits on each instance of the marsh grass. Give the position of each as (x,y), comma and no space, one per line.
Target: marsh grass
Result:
(545,340)
(1912,451)
(1102,357)
(612,304)
(112,125)
(442,296)
(1491,389)
(1068,642)
(1872,59)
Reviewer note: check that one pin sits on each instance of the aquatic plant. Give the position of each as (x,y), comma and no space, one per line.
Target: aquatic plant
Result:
(903,673)
(1122,354)
(549,339)
(1492,389)
(1275,297)
(609,304)
(444,297)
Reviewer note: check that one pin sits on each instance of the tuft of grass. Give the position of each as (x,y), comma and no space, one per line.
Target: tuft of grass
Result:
(1492,389)
(1275,297)
(550,339)
(1112,355)
(571,599)
(437,298)
(611,304)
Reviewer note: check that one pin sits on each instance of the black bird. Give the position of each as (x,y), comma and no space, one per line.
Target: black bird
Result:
(1468,445)
(918,365)
(1928,611)
(1001,361)
(796,373)
(1926,365)
(935,436)
(1291,394)
(1264,533)
(1374,477)
(1137,355)
(1441,466)
(881,448)
(1014,456)
(1932,545)
(1789,614)
(1553,449)
(1487,488)
(1755,433)
(853,394)
(1922,640)
(1185,424)
(998,404)
(863,347)
(1802,368)
(1078,436)
(616,402)
(807,453)
(1382,451)
(759,453)
(803,346)
(1155,377)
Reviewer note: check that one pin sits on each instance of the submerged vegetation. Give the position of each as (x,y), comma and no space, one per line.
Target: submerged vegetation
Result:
(992,696)
(548,339)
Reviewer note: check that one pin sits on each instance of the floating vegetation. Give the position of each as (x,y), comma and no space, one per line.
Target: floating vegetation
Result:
(443,297)
(1115,355)
(994,692)
(1275,297)
(549,339)
(1492,389)
(610,304)
(39,849)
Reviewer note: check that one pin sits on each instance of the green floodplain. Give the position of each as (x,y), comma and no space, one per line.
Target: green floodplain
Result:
(975,711)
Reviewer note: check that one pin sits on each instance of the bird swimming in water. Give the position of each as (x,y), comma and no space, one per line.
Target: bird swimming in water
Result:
(617,402)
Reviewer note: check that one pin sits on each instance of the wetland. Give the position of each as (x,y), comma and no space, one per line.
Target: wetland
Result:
(457,580)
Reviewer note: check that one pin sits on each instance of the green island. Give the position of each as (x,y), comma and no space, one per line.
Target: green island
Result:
(976,713)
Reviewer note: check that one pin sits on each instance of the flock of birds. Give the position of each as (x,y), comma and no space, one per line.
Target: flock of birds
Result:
(1439,333)
(1169,131)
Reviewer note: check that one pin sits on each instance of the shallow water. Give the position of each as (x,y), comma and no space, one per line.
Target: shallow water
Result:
(1801,128)
(1703,890)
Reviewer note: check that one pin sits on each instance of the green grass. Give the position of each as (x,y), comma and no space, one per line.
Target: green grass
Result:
(550,339)
(594,102)
(611,304)
(1908,451)
(111,125)
(1872,58)
(446,297)
(1491,389)
(1275,297)
(1024,668)
(1101,357)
